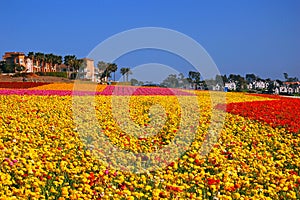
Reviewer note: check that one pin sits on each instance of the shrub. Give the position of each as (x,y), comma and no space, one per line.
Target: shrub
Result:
(73,76)
(56,74)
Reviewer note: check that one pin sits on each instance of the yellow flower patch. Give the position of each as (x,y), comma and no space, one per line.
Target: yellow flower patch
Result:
(45,154)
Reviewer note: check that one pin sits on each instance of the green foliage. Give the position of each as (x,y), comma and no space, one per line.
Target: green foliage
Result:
(112,67)
(56,74)
(73,75)
(19,68)
(73,62)
(171,81)
(194,77)
(7,68)
(239,80)
(134,82)
(176,81)
(125,71)
(290,79)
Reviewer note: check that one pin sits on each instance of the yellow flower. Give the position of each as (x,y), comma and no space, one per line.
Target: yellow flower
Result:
(236,195)
(148,187)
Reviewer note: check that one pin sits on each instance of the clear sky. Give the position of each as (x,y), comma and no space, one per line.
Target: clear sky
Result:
(257,36)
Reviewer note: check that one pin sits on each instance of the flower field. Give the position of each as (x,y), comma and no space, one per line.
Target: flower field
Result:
(45,154)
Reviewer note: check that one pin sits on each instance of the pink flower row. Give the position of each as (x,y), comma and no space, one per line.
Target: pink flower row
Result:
(125,91)
(45,92)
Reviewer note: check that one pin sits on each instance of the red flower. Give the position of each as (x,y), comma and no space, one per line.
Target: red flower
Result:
(212,181)
(283,112)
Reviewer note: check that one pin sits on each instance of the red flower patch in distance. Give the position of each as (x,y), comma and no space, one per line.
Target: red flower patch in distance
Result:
(277,113)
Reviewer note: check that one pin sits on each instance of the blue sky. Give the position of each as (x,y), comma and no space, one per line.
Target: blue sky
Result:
(260,37)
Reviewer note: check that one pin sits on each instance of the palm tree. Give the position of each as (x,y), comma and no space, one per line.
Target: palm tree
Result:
(40,57)
(106,69)
(69,61)
(49,59)
(76,64)
(57,60)
(101,67)
(125,71)
(127,74)
(112,67)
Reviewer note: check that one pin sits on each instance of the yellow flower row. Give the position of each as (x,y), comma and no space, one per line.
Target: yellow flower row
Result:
(59,147)
(71,86)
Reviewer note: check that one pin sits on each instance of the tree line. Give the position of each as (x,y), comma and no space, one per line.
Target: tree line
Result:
(44,61)
(48,61)
(194,79)
(105,69)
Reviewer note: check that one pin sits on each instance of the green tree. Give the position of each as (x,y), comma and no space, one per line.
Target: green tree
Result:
(49,59)
(76,64)
(251,77)
(225,79)
(6,68)
(106,74)
(239,81)
(128,72)
(112,67)
(69,61)
(125,71)
(18,68)
(171,81)
(57,60)
(134,81)
(101,65)
(40,58)
(290,79)
(286,76)
(219,80)
(182,81)
(194,78)
(208,83)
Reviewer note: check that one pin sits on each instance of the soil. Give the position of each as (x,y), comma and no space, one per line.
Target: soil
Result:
(34,78)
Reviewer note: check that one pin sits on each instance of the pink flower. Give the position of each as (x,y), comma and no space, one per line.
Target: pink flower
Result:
(106,172)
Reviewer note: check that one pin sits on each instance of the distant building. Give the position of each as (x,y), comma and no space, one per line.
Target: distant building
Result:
(17,58)
(230,85)
(87,71)
(292,83)
(217,87)
(258,85)
(29,65)
(283,89)
(62,68)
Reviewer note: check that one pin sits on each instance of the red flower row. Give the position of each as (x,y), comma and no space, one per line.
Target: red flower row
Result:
(276,113)
(21,85)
